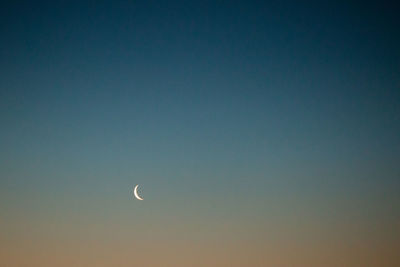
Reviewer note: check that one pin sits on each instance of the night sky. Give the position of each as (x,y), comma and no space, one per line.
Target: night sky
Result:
(261,133)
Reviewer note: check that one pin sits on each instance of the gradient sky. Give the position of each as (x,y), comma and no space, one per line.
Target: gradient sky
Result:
(262,133)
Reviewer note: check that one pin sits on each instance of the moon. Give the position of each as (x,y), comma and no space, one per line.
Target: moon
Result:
(136,193)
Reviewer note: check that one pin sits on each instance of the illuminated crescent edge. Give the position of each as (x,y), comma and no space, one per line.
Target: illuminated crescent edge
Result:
(136,193)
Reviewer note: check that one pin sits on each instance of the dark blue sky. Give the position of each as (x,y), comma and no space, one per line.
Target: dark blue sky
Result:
(295,104)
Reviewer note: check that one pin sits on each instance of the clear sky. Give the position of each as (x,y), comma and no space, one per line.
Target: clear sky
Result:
(261,133)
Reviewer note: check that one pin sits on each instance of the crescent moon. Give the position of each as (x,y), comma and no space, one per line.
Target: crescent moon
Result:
(136,193)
